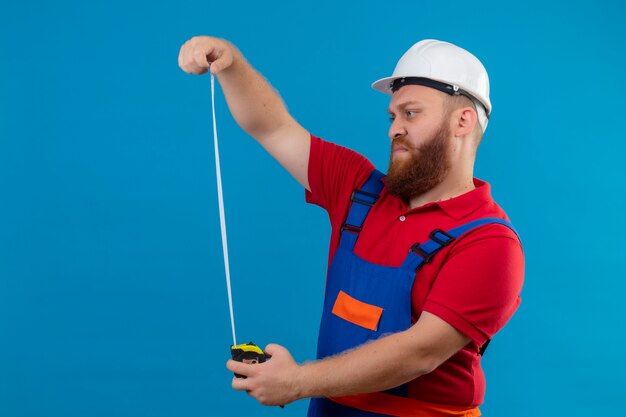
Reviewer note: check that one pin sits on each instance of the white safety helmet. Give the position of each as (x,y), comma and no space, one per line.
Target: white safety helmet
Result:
(447,68)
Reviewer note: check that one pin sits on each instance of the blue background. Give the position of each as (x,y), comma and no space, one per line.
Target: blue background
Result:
(112,293)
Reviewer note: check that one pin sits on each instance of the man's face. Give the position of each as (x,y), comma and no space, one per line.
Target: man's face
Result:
(420,141)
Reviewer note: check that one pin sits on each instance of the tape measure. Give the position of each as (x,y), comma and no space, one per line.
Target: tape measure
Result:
(247,352)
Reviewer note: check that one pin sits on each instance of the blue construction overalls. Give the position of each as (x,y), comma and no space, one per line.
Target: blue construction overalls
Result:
(363,300)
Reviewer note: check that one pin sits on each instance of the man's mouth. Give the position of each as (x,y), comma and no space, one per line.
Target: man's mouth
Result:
(398,150)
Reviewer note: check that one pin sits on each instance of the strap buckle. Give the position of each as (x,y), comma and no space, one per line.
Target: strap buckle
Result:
(416,248)
(448,238)
(351,228)
(359,195)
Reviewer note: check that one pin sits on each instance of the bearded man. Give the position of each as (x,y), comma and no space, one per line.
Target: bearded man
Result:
(424,267)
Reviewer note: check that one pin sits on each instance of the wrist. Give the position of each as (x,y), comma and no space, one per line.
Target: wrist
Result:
(304,382)
(238,60)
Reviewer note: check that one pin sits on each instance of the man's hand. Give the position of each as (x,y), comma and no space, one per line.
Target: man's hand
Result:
(274,382)
(201,53)
(254,104)
(375,366)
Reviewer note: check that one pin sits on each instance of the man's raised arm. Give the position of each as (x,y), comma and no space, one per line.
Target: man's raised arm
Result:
(254,104)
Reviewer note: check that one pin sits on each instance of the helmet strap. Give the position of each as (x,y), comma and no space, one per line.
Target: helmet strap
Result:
(452,90)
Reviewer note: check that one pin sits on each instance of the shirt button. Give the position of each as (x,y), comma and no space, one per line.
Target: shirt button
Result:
(402,218)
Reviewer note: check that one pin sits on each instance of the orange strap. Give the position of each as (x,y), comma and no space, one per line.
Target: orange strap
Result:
(379,402)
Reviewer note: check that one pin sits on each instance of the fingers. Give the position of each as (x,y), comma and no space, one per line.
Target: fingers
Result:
(243,369)
(192,57)
(240,368)
(201,53)
(199,60)
(240,384)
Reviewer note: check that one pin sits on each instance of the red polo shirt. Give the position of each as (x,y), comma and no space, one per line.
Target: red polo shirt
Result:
(473,284)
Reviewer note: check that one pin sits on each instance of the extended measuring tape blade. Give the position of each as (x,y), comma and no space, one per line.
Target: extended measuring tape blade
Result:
(247,352)
(220,199)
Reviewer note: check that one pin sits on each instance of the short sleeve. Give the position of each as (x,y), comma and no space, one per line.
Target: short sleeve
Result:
(334,172)
(478,288)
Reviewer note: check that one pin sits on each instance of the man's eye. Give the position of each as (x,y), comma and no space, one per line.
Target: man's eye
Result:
(410,113)
(391,119)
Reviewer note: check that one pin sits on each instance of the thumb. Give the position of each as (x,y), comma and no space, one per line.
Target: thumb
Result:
(274,349)
(220,62)
(218,65)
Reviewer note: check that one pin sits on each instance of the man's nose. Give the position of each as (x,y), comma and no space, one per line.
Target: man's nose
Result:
(396,129)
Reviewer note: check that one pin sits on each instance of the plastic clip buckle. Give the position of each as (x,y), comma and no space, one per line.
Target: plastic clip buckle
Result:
(434,233)
(350,228)
(421,252)
(355,197)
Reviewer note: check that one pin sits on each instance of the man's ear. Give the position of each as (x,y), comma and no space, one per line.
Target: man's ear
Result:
(465,121)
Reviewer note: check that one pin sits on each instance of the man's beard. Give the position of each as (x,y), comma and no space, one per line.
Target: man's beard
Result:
(424,169)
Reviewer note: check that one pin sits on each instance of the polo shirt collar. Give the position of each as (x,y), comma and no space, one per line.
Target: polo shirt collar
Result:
(463,205)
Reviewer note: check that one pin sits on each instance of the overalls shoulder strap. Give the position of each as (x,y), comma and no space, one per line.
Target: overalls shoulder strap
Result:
(423,253)
(362,200)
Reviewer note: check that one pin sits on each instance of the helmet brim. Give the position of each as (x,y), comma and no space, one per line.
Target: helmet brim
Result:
(384,85)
